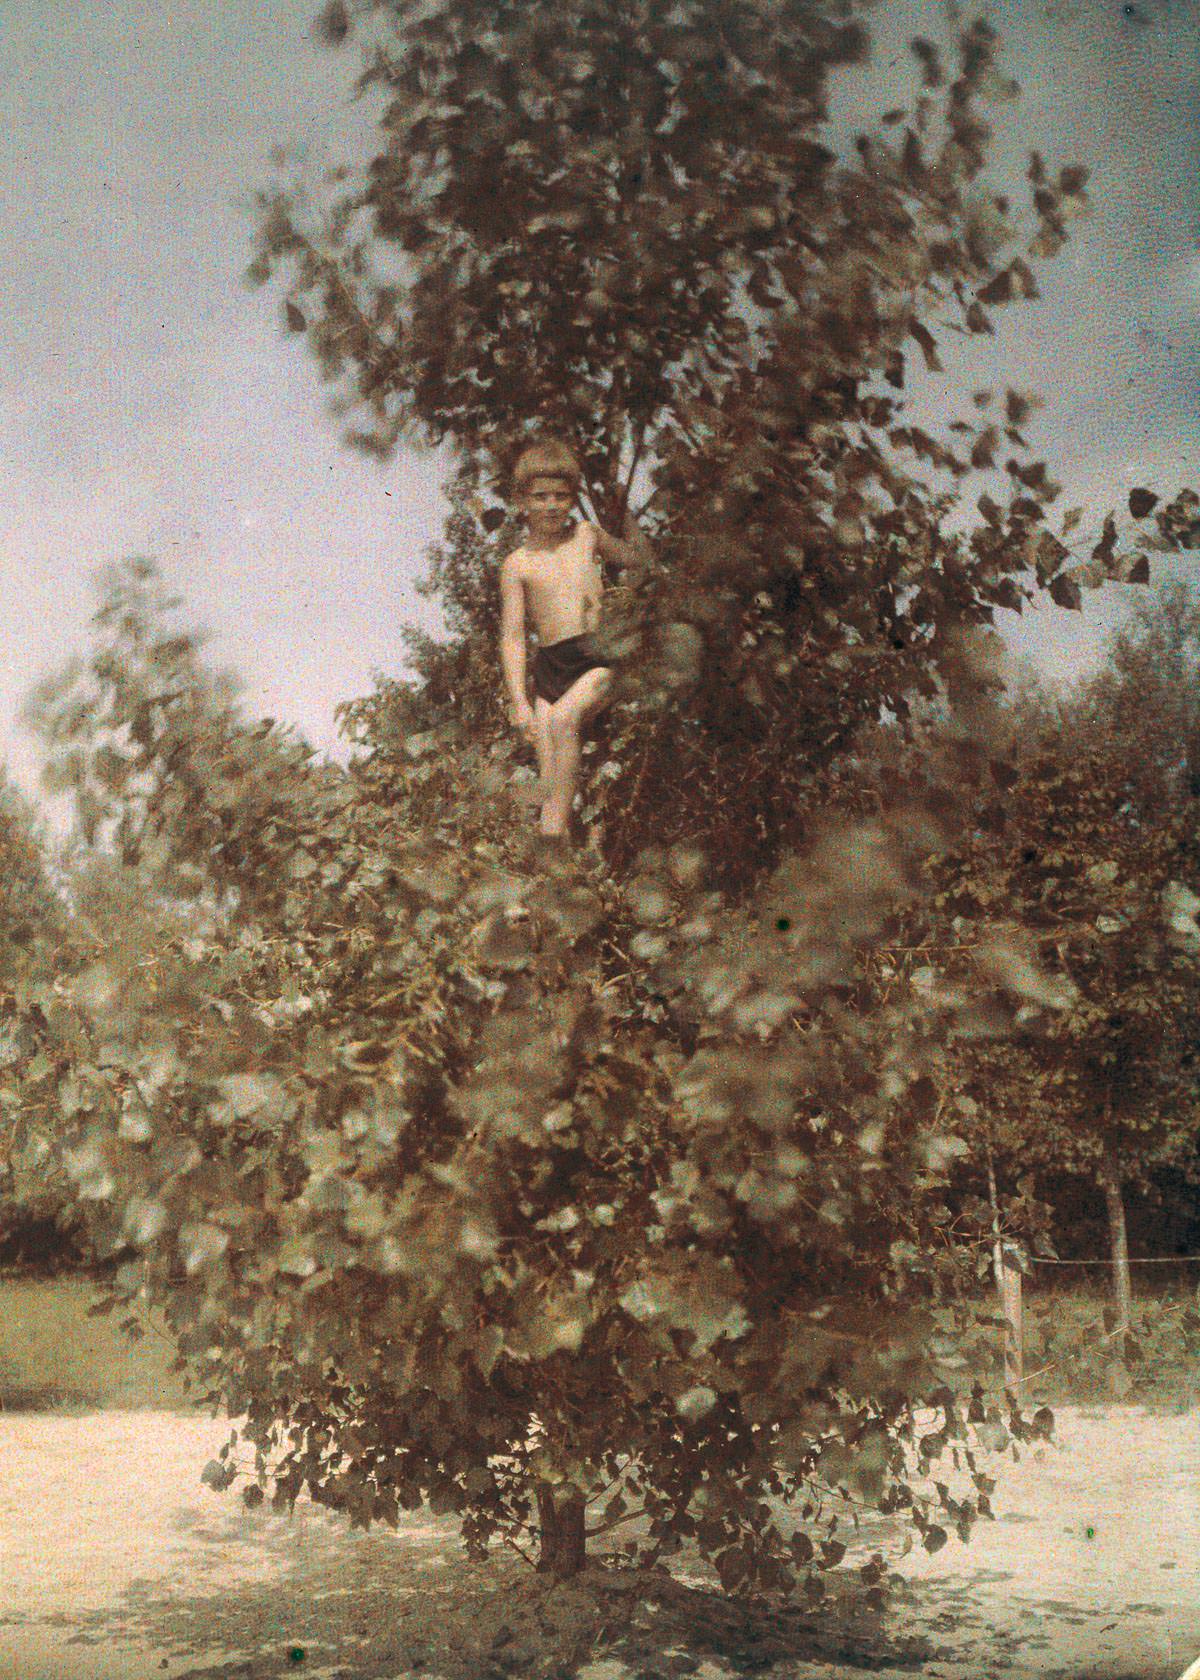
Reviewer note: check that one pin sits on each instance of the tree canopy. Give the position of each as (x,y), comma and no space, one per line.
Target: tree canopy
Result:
(1091,847)
(629,223)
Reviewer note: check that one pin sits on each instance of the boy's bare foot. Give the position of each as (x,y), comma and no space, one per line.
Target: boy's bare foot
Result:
(551,824)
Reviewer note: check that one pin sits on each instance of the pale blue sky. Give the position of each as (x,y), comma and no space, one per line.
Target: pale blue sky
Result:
(149,403)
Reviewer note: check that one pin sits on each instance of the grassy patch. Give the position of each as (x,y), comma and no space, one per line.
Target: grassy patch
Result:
(53,1357)
(1074,1353)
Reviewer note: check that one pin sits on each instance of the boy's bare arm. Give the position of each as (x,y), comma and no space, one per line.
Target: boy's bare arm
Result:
(632,548)
(512,639)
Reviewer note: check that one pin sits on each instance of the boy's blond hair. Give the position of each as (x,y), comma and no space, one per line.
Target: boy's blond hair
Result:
(551,458)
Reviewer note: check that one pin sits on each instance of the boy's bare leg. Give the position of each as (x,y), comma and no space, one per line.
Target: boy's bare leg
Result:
(567,719)
(543,746)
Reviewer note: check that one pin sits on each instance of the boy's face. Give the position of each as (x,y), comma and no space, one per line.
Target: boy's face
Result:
(546,505)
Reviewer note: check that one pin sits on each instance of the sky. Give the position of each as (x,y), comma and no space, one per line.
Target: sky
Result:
(150,403)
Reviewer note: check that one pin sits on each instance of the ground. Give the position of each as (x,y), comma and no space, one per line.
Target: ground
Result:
(116,1563)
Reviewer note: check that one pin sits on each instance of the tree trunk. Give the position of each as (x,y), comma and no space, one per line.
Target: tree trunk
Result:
(1008,1287)
(562,1536)
(1119,1242)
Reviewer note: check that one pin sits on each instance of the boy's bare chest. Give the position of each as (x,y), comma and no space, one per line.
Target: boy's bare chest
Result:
(565,580)
(554,576)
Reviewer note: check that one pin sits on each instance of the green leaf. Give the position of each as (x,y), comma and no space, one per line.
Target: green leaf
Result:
(1064,592)
(218,1476)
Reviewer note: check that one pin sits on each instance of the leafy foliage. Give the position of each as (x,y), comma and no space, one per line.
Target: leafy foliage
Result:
(628,223)
(35,1220)
(1082,856)
(1070,1348)
(472,1185)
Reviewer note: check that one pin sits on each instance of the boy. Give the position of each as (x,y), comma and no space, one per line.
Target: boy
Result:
(553,580)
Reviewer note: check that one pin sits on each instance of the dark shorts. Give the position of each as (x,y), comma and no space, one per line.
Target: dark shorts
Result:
(558,667)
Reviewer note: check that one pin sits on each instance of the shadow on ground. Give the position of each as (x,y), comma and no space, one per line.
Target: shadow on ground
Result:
(383,1606)
(387,1607)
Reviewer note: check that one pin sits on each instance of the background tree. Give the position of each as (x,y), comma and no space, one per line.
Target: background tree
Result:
(1087,846)
(36,1221)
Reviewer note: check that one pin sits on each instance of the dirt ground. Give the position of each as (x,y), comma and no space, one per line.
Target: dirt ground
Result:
(116,1563)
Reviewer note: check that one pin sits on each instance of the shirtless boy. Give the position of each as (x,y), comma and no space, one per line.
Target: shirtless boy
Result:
(553,583)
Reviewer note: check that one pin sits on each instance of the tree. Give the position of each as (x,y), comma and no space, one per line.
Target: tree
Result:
(1088,848)
(35,1216)
(525,1192)
(1147,705)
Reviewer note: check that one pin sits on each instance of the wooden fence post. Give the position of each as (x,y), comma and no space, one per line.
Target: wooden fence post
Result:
(1118,1236)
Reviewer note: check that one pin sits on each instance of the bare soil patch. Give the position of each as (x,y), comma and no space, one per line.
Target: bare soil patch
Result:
(116,1563)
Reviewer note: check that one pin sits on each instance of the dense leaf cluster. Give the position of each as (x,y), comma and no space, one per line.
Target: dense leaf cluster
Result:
(471,1184)
(35,947)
